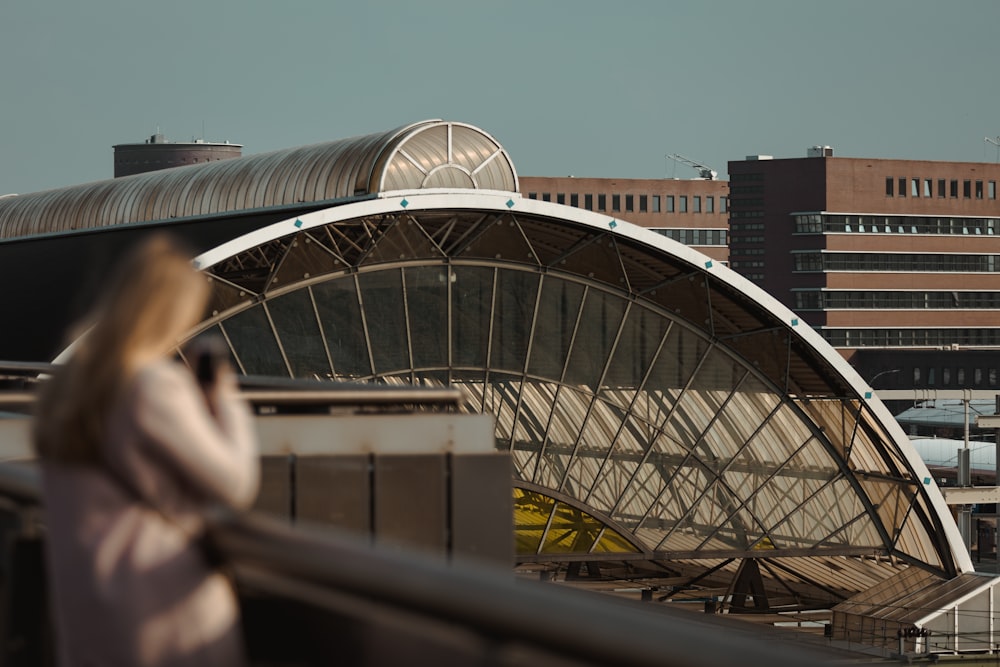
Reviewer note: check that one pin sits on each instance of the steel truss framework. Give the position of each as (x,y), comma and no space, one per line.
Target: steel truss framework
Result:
(652,411)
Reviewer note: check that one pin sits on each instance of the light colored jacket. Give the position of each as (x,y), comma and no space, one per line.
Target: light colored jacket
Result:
(130,585)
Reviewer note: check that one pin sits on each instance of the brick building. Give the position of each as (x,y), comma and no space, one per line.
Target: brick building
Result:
(895,262)
(692,211)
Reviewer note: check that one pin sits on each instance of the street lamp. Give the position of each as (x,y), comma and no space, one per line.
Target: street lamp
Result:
(871,382)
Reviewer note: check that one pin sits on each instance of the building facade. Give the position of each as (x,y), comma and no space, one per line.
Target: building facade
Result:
(667,421)
(895,262)
(693,211)
(158,153)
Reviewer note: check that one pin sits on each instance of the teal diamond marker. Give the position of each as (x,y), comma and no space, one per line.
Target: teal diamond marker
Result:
(404,203)
(927,480)
(708,264)
(510,203)
(298,223)
(795,321)
(868,394)
(612,224)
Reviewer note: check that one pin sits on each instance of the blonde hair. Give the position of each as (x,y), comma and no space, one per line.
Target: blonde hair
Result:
(154,296)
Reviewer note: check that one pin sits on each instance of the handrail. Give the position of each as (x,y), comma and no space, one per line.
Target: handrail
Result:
(302,564)
(284,392)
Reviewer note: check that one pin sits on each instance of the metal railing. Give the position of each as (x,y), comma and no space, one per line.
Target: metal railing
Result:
(317,597)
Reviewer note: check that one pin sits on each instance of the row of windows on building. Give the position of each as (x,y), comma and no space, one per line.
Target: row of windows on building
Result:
(862,261)
(695,237)
(645,203)
(899,300)
(922,338)
(949,376)
(816,223)
(925,187)
(743,265)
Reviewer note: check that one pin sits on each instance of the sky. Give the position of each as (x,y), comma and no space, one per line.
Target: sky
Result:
(584,88)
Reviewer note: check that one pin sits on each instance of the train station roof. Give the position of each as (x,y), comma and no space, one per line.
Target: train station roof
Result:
(662,413)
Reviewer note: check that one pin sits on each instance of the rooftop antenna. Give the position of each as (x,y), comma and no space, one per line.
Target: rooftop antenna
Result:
(707,173)
(996,142)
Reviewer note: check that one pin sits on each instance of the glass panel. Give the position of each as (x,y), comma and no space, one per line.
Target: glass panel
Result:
(382,295)
(254,344)
(295,322)
(427,306)
(613,542)
(531,515)
(472,294)
(557,314)
(595,442)
(602,316)
(340,315)
(567,415)
(530,430)
(512,316)
(571,531)
(639,340)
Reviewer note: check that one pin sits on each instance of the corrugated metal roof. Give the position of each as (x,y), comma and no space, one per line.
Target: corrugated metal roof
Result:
(428,154)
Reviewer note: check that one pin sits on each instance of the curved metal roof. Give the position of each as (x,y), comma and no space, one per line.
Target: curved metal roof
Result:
(656,405)
(428,154)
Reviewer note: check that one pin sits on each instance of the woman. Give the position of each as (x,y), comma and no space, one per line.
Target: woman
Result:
(132,452)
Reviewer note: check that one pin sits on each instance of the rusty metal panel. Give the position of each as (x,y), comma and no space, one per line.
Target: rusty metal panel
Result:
(482,511)
(275,495)
(335,490)
(410,503)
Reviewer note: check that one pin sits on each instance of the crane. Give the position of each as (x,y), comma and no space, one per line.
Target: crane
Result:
(995,142)
(707,173)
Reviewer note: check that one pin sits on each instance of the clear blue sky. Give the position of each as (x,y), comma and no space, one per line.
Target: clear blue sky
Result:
(571,87)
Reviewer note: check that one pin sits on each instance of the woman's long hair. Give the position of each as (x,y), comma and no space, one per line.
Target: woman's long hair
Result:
(153,298)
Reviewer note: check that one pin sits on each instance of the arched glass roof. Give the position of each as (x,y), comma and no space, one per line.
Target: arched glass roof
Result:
(428,154)
(657,407)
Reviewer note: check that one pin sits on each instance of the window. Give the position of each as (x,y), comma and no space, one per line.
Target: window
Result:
(643,203)
(928,188)
(546,196)
(670,203)
(696,203)
(979,189)
(588,202)
(574,200)
(656,203)
(723,204)
(953,189)
(888,187)
(709,204)
(629,203)
(967,189)
(902,187)
(602,202)
(616,203)
(684,204)
(532,195)
(992,189)
(940,187)
(560,198)
(915,187)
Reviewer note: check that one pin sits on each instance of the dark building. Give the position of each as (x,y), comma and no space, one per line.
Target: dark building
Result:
(158,153)
(895,262)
